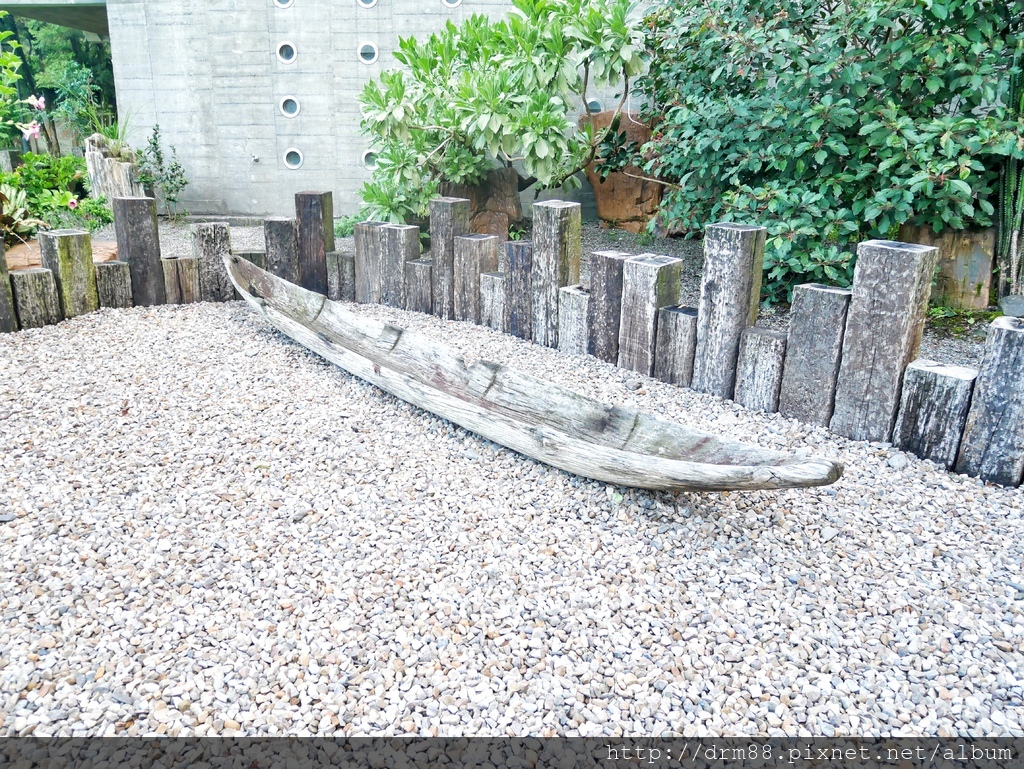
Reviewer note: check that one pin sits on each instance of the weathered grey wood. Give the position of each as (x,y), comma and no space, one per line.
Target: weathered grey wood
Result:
(493,308)
(281,240)
(759,369)
(369,259)
(114,284)
(518,291)
(730,292)
(314,227)
(993,442)
(532,417)
(933,410)
(8,318)
(573,330)
(449,218)
(172,290)
(341,276)
(419,291)
(817,323)
(138,243)
(400,243)
(557,246)
(211,243)
(649,282)
(259,258)
(68,255)
(891,284)
(677,340)
(474,255)
(35,297)
(181,278)
(606,303)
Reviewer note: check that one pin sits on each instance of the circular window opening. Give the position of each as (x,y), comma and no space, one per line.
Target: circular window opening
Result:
(451,3)
(290,106)
(595,106)
(366,3)
(286,52)
(293,158)
(370,159)
(368,53)
(284,3)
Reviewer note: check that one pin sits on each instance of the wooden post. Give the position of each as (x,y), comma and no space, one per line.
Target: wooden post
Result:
(341,276)
(138,243)
(281,240)
(993,444)
(368,258)
(606,304)
(68,255)
(449,218)
(114,284)
(677,339)
(493,309)
(171,288)
(8,318)
(400,243)
(314,227)
(211,242)
(573,331)
(518,292)
(474,255)
(259,258)
(933,410)
(557,246)
(35,297)
(419,291)
(817,323)
(730,292)
(759,369)
(181,278)
(891,284)
(649,282)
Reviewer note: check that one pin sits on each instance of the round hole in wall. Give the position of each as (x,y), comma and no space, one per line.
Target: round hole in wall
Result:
(290,106)
(594,105)
(293,158)
(368,53)
(370,159)
(284,3)
(286,52)
(451,3)
(366,3)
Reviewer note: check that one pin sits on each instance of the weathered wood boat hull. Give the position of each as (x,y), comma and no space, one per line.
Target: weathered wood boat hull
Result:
(535,418)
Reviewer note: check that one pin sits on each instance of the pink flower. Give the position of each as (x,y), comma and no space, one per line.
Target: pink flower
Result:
(39,102)
(30,131)
(72,204)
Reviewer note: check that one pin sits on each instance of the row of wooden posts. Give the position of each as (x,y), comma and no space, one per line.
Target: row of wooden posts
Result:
(847,361)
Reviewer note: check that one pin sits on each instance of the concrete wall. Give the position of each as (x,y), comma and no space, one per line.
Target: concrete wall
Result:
(208,73)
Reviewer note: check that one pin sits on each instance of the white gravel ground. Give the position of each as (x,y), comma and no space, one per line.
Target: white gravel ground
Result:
(208,530)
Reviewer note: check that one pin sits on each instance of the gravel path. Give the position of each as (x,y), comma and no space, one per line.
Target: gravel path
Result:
(208,530)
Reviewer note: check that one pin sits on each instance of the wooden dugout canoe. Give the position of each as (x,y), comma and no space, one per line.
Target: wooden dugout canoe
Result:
(536,418)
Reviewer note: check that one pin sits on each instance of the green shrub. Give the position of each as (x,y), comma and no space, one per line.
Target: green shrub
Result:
(345,226)
(829,123)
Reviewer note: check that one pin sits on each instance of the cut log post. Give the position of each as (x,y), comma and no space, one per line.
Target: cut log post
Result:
(314,227)
(518,291)
(891,284)
(211,243)
(171,288)
(933,410)
(677,340)
(400,243)
(281,241)
(817,323)
(557,246)
(68,255)
(449,218)
(573,331)
(730,292)
(474,255)
(649,282)
(368,261)
(8,318)
(35,297)
(114,284)
(993,443)
(259,258)
(138,243)
(181,278)
(419,291)
(759,369)
(606,304)
(341,276)
(493,309)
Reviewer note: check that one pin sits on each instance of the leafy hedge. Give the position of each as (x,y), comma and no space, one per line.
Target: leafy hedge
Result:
(829,122)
